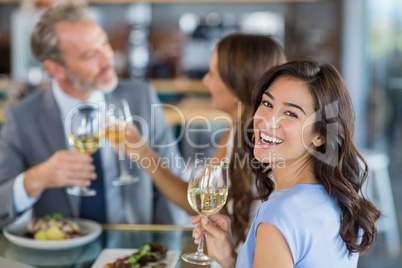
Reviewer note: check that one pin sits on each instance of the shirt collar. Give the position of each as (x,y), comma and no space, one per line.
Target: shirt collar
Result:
(65,102)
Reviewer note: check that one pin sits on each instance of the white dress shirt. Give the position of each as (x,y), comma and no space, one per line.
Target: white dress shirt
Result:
(109,162)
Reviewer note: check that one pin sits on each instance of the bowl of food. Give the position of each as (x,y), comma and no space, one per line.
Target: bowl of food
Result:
(53,233)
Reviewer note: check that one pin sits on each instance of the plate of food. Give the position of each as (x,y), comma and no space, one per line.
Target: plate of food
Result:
(53,233)
(153,255)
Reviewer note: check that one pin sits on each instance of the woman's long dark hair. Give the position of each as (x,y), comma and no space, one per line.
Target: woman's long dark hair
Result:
(242,60)
(336,162)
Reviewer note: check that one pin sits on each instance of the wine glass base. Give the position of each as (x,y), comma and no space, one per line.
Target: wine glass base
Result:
(124,180)
(196,258)
(80,191)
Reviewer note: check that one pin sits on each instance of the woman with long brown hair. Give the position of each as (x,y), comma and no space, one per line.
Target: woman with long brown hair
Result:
(237,63)
(314,214)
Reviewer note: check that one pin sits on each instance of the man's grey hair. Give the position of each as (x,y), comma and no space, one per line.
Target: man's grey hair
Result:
(44,40)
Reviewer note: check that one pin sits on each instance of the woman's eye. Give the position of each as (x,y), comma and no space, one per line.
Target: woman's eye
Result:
(266,103)
(291,114)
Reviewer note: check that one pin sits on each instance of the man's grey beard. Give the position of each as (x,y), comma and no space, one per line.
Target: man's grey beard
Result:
(86,86)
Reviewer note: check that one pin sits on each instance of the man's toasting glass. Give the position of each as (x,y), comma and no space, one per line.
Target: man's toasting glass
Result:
(207,193)
(115,132)
(84,137)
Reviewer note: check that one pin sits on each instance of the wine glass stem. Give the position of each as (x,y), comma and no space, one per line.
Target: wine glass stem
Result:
(122,156)
(200,247)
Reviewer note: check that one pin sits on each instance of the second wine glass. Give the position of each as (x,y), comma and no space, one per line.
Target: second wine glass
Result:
(115,133)
(207,193)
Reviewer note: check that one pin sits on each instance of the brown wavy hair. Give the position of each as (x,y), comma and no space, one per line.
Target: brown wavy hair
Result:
(338,165)
(242,60)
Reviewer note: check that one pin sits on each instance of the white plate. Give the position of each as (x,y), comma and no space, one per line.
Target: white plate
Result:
(71,257)
(15,234)
(110,255)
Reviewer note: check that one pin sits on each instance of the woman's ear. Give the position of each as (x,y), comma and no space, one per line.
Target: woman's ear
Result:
(318,141)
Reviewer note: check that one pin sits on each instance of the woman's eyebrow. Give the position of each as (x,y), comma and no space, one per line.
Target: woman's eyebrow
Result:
(295,106)
(286,103)
(269,95)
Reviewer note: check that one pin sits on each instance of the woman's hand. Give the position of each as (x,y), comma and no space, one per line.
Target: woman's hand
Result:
(134,145)
(218,237)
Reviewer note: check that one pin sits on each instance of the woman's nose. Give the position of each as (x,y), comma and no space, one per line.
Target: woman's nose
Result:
(205,79)
(266,121)
(274,122)
(267,118)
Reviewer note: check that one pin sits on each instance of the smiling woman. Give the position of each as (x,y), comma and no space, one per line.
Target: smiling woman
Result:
(314,205)
(303,115)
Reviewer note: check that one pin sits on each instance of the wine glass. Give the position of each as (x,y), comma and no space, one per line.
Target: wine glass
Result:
(115,133)
(207,193)
(84,136)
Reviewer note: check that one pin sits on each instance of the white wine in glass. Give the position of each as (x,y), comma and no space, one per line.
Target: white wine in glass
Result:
(207,193)
(84,144)
(83,132)
(115,133)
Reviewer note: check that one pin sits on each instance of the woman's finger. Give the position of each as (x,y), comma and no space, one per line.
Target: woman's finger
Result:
(211,229)
(196,220)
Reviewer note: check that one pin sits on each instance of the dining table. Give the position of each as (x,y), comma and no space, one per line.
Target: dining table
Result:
(113,236)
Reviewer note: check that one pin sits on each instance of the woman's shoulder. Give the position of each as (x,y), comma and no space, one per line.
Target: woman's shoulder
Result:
(294,201)
(309,219)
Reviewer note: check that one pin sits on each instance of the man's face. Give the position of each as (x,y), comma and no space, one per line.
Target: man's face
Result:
(88,57)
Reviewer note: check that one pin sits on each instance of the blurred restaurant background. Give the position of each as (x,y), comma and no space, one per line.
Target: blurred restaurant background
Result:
(169,43)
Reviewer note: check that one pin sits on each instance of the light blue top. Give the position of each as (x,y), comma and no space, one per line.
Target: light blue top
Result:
(309,220)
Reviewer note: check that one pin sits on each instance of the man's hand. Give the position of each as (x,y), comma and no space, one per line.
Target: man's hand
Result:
(63,168)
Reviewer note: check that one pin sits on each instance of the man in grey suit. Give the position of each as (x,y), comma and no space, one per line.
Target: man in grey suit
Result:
(36,164)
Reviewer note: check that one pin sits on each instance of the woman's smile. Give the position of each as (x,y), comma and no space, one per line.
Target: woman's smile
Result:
(266,140)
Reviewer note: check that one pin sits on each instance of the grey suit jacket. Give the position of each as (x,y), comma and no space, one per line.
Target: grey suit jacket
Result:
(33,132)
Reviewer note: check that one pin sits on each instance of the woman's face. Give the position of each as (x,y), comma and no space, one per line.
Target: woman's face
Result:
(222,98)
(283,123)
